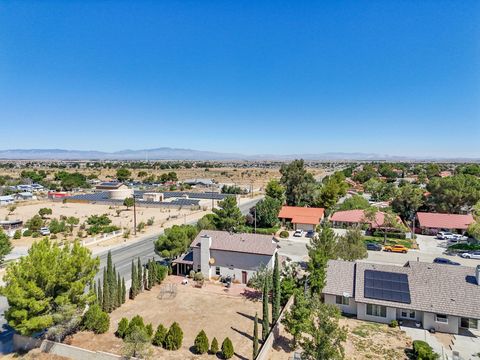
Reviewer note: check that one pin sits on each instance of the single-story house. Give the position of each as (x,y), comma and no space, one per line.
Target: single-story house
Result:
(302,217)
(199,182)
(6,200)
(10,226)
(220,253)
(24,196)
(433,296)
(58,194)
(350,218)
(111,185)
(432,223)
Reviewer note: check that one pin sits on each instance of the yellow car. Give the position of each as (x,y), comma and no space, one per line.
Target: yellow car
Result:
(396,248)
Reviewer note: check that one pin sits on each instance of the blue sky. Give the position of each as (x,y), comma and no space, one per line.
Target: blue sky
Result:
(279,77)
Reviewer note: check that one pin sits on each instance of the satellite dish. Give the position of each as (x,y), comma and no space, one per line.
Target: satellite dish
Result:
(211,261)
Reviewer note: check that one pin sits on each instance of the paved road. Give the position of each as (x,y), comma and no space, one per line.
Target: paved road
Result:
(122,258)
(144,249)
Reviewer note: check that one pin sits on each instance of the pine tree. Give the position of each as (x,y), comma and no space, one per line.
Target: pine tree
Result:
(140,276)
(106,293)
(99,294)
(119,291)
(276,291)
(255,337)
(145,279)
(133,287)
(124,291)
(265,321)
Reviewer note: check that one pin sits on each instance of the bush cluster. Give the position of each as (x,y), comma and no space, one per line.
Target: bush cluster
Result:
(284,234)
(423,351)
(96,320)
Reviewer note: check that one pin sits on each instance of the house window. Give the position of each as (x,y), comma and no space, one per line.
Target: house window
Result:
(342,300)
(441,318)
(408,314)
(217,270)
(376,310)
(469,323)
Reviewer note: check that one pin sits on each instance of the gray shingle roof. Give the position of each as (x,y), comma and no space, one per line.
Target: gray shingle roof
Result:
(435,288)
(340,277)
(244,243)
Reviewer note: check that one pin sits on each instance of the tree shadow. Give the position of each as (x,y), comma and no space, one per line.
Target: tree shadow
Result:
(283,343)
(248,336)
(253,295)
(240,356)
(250,317)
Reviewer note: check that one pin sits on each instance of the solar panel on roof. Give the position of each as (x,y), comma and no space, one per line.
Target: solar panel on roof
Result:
(388,286)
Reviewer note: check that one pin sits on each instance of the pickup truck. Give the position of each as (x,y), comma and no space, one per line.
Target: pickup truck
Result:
(396,248)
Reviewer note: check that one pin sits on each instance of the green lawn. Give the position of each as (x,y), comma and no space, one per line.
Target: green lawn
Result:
(405,242)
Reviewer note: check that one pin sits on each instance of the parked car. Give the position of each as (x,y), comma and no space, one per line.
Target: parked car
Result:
(374,246)
(440,260)
(444,235)
(396,248)
(44,231)
(310,234)
(471,255)
(298,233)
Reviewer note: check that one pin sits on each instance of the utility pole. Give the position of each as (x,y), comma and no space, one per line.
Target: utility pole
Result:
(134,215)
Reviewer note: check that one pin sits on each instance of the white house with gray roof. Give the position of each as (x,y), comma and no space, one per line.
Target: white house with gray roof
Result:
(441,297)
(220,253)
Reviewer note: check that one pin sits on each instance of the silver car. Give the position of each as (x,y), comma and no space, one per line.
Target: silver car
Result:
(471,255)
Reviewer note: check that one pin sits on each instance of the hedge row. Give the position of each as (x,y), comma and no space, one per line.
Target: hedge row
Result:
(391,235)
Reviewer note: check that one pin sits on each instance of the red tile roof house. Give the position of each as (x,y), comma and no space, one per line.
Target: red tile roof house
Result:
(432,223)
(302,217)
(220,253)
(350,218)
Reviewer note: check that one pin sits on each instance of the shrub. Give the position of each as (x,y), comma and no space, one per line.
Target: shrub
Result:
(214,346)
(96,320)
(122,328)
(160,335)
(137,321)
(53,237)
(393,323)
(192,274)
(174,338)
(284,234)
(469,247)
(27,233)
(391,235)
(35,234)
(17,235)
(423,351)
(227,348)
(149,329)
(198,276)
(201,343)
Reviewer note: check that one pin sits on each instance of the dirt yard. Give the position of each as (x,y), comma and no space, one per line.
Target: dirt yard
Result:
(219,313)
(365,341)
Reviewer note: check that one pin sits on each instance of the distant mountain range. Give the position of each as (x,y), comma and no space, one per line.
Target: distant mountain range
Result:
(166,153)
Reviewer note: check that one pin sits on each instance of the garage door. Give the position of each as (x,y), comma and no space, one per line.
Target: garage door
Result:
(304,227)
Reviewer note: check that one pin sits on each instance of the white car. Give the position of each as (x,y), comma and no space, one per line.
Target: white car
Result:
(471,255)
(298,233)
(445,235)
(44,231)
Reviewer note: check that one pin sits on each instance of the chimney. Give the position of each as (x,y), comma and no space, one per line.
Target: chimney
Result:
(205,244)
(477,274)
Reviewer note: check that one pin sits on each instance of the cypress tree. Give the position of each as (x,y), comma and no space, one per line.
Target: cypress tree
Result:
(119,291)
(265,321)
(139,276)
(113,284)
(145,279)
(276,291)
(99,294)
(107,305)
(124,291)
(255,337)
(151,274)
(133,288)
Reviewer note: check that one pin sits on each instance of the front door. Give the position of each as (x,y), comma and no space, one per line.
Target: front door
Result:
(244,277)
